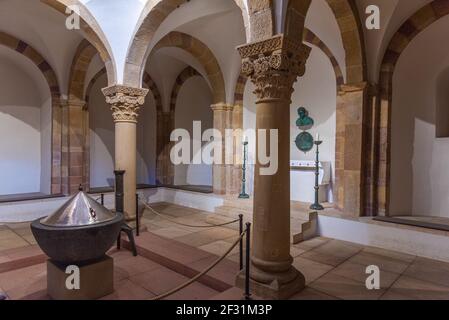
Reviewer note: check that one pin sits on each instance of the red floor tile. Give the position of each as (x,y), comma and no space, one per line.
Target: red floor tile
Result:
(159,281)
(127,290)
(195,291)
(134,265)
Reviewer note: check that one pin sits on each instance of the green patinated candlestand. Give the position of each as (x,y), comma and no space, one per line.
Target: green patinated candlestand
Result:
(317,205)
(243,194)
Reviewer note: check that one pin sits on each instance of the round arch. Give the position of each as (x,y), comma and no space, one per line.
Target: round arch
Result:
(47,71)
(405,34)
(346,14)
(152,16)
(91,31)
(185,75)
(204,55)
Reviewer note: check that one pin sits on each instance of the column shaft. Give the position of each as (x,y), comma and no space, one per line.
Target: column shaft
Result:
(273,66)
(125,159)
(351,148)
(125,103)
(222,173)
(76,144)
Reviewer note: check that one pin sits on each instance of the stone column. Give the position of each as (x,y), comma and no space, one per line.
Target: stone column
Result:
(125,103)
(351,148)
(222,173)
(237,125)
(273,66)
(76,144)
(164,166)
(370,167)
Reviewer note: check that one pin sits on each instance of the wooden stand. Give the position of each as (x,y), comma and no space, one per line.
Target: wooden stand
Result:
(96,280)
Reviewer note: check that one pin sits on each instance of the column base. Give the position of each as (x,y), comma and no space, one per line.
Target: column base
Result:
(274,290)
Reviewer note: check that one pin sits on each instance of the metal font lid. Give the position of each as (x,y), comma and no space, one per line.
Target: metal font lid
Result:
(80,210)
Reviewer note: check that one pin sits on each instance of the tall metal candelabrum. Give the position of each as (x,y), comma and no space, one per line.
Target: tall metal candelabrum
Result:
(243,194)
(317,205)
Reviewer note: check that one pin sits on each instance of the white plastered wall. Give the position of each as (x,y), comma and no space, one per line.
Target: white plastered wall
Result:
(419,167)
(193,104)
(146,142)
(25,126)
(101,135)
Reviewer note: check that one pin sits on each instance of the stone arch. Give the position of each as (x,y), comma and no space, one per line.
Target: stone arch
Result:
(406,33)
(312,38)
(347,17)
(204,55)
(91,31)
(296,17)
(81,61)
(50,76)
(152,16)
(92,81)
(166,124)
(185,75)
(150,84)
(346,14)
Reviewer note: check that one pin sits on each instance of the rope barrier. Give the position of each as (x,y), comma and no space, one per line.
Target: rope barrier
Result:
(185,224)
(213,265)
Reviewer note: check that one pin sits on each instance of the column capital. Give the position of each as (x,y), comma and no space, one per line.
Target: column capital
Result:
(274,65)
(222,107)
(125,102)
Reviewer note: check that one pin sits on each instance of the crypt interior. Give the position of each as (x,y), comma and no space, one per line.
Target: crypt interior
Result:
(79,105)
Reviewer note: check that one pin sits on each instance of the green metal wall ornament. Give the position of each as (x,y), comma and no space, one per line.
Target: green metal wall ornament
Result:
(304,141)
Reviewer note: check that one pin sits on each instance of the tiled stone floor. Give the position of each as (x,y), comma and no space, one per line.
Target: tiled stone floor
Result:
(136,278)
(333,269)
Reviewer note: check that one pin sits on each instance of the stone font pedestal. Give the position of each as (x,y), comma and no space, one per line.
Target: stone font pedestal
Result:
(96,280)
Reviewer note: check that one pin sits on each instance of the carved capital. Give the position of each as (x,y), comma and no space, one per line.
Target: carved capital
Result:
(274,65)
(125,102)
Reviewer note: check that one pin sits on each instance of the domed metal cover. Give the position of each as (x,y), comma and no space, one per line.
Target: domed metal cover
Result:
(80,210)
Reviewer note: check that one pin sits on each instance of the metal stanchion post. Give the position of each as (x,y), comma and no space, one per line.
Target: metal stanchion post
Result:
(137,216)
(248,254)
(102,199)
(119,192)
(241,240)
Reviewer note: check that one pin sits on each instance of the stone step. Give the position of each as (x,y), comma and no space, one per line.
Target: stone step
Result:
(186,260)
(308,230)
(18,258)
(303,224)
